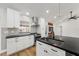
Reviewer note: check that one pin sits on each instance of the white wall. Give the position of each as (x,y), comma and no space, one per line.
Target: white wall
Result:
(3,17)
(57,30)
(0,39)
(71,28)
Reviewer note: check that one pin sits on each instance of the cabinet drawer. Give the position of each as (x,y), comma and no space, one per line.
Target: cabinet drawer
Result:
(43,45)
(57,51)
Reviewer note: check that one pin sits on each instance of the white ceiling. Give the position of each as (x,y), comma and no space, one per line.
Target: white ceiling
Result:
(39,9)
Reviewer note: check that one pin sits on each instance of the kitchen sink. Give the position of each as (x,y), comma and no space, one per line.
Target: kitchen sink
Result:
(55,42)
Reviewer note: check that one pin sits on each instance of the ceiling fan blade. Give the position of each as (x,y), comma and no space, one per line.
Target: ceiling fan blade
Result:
(67,19)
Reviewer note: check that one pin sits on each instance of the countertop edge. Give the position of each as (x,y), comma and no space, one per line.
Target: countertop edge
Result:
(12,36)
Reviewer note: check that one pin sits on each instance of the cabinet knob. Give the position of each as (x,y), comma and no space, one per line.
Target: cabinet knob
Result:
(40,44)
(45,51)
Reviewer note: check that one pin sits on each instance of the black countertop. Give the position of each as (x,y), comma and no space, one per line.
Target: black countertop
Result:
(60,44)
(18,35)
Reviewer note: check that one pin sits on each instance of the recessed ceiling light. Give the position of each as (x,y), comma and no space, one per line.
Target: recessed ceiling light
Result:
(27,13)
(47,11)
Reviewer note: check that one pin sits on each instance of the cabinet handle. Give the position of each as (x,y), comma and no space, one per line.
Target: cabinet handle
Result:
(45,51)
(40,44)
(53,50)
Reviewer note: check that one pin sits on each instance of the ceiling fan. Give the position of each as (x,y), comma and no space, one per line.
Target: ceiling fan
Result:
(73,17)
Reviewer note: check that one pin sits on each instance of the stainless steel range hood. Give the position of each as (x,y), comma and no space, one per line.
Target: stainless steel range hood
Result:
(35,21)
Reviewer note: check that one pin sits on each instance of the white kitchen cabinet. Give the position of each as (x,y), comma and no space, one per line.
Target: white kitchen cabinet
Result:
(11,45)
(19,43)
(31,37)
(13,19)
(16,19)
(39,49)
(28,41)
(25,42)
(43,49)
(10,18)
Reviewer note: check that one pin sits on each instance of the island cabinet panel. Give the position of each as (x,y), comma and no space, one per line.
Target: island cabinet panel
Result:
(43,49)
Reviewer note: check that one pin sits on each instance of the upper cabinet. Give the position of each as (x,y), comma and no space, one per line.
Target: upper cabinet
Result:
(9,18)
(16,19)
(13,18)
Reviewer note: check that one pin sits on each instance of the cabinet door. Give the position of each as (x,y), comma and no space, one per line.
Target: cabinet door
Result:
(31,38)
(24,42)
(16,19)
(20,43)
(11,45)
(39,49)
(10,18)
(28,42)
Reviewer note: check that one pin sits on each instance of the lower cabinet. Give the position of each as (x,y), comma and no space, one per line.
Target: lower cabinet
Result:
(19,43)
(11,45)
(43,49)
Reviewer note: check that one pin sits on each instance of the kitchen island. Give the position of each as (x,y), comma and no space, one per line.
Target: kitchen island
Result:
(56,47)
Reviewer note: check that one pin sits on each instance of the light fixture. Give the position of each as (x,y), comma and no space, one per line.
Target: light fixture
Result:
(47,11)
(27,13)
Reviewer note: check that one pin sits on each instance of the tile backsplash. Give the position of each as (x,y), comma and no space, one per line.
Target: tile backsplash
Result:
(12,30)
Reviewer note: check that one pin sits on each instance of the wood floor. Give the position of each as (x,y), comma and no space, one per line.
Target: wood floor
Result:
(27,52)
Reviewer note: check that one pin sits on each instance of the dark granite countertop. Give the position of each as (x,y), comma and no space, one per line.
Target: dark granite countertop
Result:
(61,44)
(18,35)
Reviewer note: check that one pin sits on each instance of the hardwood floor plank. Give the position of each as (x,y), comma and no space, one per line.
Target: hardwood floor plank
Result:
(27,52)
